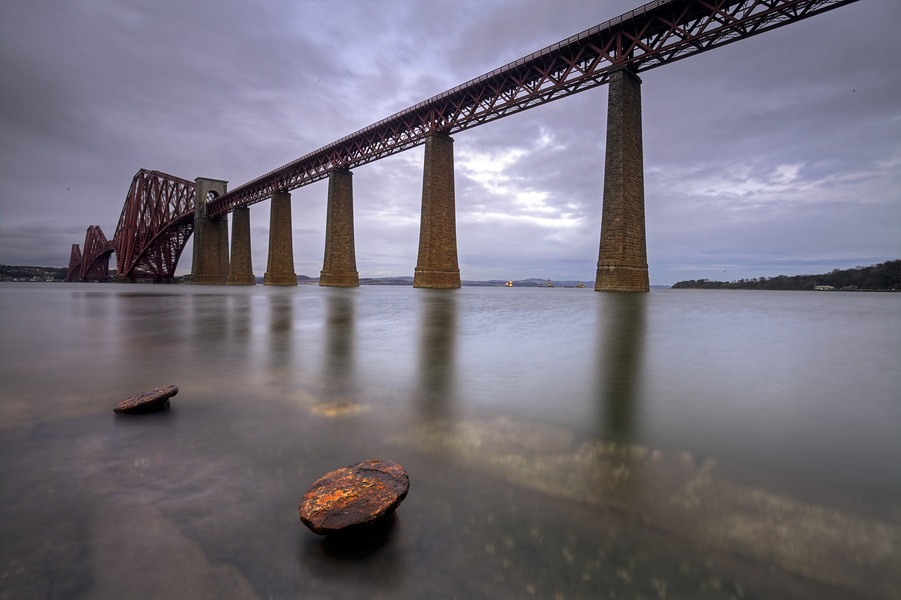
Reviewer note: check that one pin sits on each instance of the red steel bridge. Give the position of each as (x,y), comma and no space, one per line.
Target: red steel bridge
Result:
(158,216)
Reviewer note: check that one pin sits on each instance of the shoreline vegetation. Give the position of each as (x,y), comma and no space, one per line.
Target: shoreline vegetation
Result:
(881,277)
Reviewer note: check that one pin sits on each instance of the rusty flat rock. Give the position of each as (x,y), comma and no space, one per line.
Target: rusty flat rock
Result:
(149,401)
(356,495)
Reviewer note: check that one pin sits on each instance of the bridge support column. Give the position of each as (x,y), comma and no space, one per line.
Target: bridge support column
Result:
(210,266)
(437,265)
(240,269)
(280,266)
(623,257)
(339,266)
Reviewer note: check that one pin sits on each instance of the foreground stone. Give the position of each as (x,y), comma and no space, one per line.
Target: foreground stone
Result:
(149,401)
(354,496)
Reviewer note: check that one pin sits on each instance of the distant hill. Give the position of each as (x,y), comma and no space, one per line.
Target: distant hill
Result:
(884,276)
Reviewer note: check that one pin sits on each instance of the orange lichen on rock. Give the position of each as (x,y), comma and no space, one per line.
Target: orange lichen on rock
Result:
(353,496)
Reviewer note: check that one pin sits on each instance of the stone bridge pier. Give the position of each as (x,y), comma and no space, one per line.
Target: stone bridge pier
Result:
(210,263)
(436,266)
(623,256)
(280,267)
(339,265)
(240,268)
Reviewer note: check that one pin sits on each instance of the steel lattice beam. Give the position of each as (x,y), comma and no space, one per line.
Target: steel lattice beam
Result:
(74,271)
(95,260)
(655,34)
(156,222)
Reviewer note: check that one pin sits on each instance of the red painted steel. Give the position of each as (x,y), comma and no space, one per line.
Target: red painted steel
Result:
(95,259)
(155,224)
(74,272)
(655,34)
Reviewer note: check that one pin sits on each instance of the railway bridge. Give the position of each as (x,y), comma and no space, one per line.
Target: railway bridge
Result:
(161,211)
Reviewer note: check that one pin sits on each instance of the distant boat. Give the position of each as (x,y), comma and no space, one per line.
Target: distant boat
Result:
(508,284)
(581,285)
(548,284)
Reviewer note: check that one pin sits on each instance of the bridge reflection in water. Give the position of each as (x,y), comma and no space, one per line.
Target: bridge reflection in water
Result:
(529,421)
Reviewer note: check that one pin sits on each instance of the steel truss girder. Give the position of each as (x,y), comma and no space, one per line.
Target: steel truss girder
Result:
(154,226)
(652,35)
(95,258)
(74,271)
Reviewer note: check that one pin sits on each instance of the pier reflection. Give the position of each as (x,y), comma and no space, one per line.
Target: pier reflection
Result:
(339,376)
(146,329)
(210,318)
(281,333)
(621,334)
(240,318)
(437,351)
(620,464)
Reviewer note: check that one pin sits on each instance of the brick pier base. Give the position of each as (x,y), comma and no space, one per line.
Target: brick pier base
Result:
(280,266)
(437,265)
(623,257)
(240,269)
(339,266)
(210,266)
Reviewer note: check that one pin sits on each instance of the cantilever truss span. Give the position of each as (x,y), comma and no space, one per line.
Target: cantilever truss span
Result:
(97,251)
(93,264)
(75,258)
(156,222)
(655,34)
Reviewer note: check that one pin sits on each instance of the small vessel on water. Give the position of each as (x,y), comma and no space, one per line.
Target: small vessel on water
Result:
(508,284)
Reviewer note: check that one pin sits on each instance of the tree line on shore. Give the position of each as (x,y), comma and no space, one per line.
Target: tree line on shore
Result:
(884,276)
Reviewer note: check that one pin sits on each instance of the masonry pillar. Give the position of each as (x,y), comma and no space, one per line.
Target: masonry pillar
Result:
(339,266)
(437,266)
(210,264)
(222,228)
(623,257)
(240,269)
(280,267)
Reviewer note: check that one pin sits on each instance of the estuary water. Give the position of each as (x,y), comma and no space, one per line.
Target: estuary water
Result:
(560,443)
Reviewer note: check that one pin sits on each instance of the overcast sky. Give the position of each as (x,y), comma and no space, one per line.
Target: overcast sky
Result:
(777,154)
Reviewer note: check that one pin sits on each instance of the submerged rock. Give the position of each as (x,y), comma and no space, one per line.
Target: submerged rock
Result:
(355,496)
(149,401)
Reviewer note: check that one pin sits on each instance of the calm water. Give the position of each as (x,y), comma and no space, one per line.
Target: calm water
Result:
(560,443)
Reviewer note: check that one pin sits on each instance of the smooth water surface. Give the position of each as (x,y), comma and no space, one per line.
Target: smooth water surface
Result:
(560,443)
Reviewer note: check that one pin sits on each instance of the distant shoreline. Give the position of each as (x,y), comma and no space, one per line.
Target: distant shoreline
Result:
(881,277)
